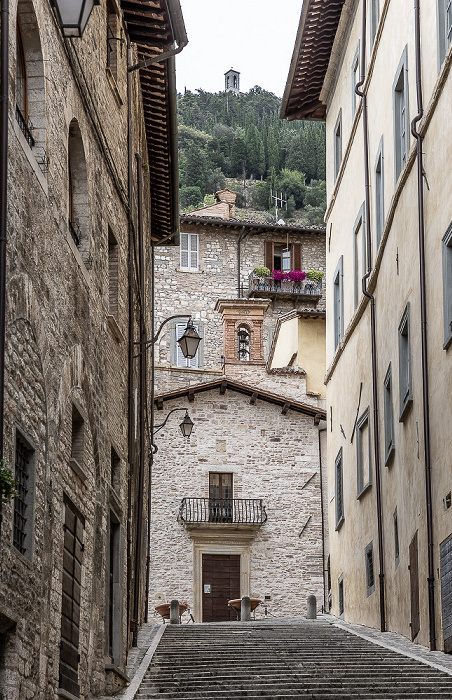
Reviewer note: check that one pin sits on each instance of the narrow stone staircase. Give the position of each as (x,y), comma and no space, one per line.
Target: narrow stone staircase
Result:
(310,659)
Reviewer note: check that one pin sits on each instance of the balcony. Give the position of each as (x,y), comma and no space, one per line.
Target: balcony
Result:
(267,287)
(222,513)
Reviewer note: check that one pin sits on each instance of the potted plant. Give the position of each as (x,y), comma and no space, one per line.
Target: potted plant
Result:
(297,277)
(315,279)
(261,272)
(7,482)
(279,276)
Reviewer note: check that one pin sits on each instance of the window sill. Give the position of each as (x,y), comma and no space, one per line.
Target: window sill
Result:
(77,256)
(370,591)
(26,561)
(185,269)
(389,456)
(30,157)
(65,694)
(112,82)
(119,672)
(447,342)
(340,523)
(405,409)
(77,469)
(115,329)
(364,490)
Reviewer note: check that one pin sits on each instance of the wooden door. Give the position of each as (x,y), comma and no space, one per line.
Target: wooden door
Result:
(445,553)
(414,586)
(220,583)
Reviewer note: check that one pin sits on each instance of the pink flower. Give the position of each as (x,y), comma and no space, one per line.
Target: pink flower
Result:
(280,276)
(297,276)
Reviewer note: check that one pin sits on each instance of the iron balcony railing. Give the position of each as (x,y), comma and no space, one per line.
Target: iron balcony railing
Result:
(222,510)
(269,285)
(25,126)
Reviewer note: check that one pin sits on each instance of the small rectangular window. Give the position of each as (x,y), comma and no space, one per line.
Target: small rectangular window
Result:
(113,274)
(405,385)
(338,145)
(115,469)
(23,503)
(189,251)
(338,304)
(370,575)
(396,539)
(359,254)
(339,490)
(446,245)
(444,18)
(340,590)
(363,453)
(374,19)
(78,436)
(379,194)
(355,80)
(401,118)
(388,416)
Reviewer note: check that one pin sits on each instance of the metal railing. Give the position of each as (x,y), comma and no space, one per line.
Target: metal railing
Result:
(25,126)
(222,510)
(268,284)
(75,232)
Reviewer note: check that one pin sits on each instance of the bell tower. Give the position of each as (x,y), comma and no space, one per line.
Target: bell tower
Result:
(232,81)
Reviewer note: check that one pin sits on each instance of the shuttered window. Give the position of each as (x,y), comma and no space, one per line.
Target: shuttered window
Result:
(396,539)
(23,502)
(359,254)
(374,19)
(182,361)
(401,118)
(363,454)
(338,145)
(370,574)
(405,385)
(339,490)
(388,416)
(355,79)
(279,256)
(113,274)
(447,285)
(71,598)
(338,303)
(340,590)
(189,251)
(379,194)
(444,14)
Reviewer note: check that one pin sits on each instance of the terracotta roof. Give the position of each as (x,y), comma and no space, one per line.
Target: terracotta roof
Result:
(157,26)
(238,224)
(224,383)
(316,32)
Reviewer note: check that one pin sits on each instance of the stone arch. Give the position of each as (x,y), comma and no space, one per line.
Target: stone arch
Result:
(30,68)
(78,198)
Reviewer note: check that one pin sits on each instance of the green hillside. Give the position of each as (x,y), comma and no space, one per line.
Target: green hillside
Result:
(239,141)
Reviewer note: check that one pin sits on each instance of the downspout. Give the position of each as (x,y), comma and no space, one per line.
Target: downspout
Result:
(3,206)
(241,237)
(130,350)
(142,372)
(151,430)
(371,297)
(322,505)
(425,390)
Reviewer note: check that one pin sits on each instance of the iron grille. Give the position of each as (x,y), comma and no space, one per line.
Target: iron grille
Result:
(268,285)
(222,510)
(25,126)
(21,501)
(75,232)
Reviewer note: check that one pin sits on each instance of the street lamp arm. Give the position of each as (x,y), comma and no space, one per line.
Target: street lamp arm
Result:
(156,336)
(158,427)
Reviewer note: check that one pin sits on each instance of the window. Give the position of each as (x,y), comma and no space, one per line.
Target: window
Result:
(370,575)
(338,303)
(113,278)
(396,539)
(338,145)
(340,590)
(363,453)
(220,497)
(114,43)
(78,436)
(23,503)
(339,490)
(178,358)
(374,19)
(379,194)
(401,118)
(447,285)
(444,17)
(388,416)
(115,470)
(243,343)
(189,251)
(359,253)
(114,601)
(280,256)
(355,80)
(405,386)
(78,210)
(22,91)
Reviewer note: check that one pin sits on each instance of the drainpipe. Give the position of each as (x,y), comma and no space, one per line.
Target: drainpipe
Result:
(151,430)
(363,97)
(425,391)
(322,505)
(130,403)
(3,206)
(142,373)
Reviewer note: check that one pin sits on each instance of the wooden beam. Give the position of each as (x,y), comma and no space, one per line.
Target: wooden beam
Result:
(191,395)
(223,387)
(253,398)
(160,404)
(285,408)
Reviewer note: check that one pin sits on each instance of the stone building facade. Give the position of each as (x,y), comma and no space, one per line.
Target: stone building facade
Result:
(73,540)
(388,349)
(241,501)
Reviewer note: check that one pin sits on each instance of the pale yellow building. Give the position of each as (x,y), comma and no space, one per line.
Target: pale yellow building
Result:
(389,279)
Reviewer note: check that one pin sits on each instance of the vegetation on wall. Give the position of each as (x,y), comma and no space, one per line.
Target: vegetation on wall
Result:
(239,141)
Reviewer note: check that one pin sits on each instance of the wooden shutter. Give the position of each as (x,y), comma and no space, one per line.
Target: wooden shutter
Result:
(268,254)
(71,596)
(296,256)
(184,250)
(445,550)
(414,585)
(194,262)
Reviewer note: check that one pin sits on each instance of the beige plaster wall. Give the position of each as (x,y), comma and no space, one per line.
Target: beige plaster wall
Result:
(311,353)
(287,343)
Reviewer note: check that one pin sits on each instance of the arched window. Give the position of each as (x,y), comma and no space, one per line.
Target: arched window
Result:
(78,202)
(243,342)
(30,82)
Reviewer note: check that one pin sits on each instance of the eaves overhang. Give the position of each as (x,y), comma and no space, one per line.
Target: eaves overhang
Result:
(156,27)
(313,44)
(253,227)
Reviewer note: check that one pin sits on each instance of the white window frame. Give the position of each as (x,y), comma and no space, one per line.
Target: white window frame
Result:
(189,251)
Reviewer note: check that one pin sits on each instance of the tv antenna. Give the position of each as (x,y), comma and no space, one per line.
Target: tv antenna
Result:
(279,201)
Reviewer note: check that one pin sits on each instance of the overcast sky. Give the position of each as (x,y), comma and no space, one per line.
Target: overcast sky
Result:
(255,37)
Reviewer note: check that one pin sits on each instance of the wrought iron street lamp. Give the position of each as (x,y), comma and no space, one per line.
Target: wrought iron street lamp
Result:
(73,15)
(186,427)
(189,340)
